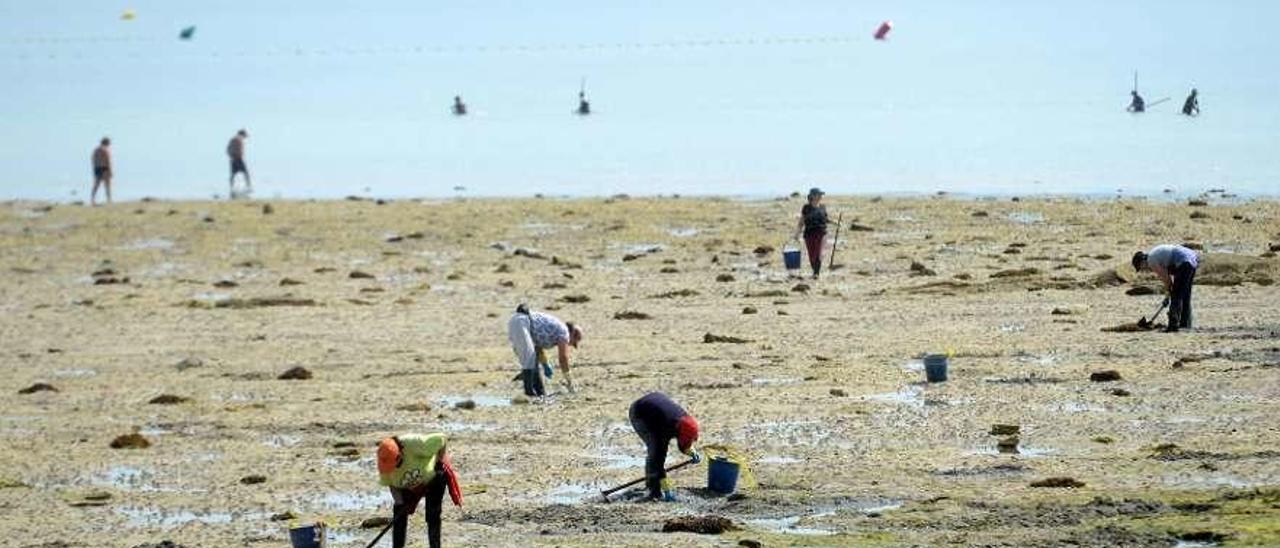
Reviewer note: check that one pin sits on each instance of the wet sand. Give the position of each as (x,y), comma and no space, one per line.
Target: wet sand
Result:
(213,301)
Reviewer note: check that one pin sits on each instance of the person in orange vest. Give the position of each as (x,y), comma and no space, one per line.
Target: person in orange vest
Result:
(416,467)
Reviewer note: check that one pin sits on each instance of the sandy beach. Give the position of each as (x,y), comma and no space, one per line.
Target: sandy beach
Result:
(397,311)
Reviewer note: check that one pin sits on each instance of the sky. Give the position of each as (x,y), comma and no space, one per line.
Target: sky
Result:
(743,98)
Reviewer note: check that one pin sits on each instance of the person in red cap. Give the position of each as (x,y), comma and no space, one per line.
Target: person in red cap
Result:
(657,419)
(416,467)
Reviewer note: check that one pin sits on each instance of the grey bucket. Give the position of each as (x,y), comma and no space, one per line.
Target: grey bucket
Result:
(935,368)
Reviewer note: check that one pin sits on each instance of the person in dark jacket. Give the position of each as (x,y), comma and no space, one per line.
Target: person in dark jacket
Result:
(1191,107)
(1138,104)
(657,419)
(813,224)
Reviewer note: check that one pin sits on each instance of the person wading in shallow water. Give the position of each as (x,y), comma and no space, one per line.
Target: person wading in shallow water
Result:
(415,467)
(813,224)
(657,419)
(530,334)
(1176,266)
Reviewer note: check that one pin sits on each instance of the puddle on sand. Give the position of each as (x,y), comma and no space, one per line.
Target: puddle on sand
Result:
(790,525)
(151,517)
(468,427)
(619,462)
(126,477)
(74,373)
(1026,217)
(1023,451)
(682,232)
(480,400)
(908,396)
(281,440)
(1077,407)
(353,501)
(775,459)
(570,493)
(778,381)
(148,243)
(499,472)
(808,432)
(362,463)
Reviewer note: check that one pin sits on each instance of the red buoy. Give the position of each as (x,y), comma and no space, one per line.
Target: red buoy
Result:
(883,32)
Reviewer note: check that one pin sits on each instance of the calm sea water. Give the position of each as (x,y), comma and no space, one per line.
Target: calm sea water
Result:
(737,98)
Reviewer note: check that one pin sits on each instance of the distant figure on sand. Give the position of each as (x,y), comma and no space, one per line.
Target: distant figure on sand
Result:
(657,419)
(459,108)
(1192,105)
(1176,266)
(416,467)
(813,224)
(584,108)
(530,334)
(235,151)
(1138,105)
(101,170)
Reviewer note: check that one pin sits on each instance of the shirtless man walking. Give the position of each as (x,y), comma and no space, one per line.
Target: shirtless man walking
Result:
(235,151)
(101,170)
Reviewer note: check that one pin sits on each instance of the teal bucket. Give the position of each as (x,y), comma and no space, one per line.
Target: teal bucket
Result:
(307,536)
(791,257)
(935,368)
(722,475)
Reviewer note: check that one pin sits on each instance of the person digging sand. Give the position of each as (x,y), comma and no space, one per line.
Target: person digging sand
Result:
(1176,266)
(531,334)
(415,467)
(813,224)
(658,419)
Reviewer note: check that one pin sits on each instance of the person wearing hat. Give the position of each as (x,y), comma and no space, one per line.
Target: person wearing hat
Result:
(415,467)
(531,334)
(235,152)
(1176,266)
(813,224)
(657,419)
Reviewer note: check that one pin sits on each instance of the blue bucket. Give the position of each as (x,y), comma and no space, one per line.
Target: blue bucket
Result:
(307,536)
(791,257)
(722,475)
(935,368)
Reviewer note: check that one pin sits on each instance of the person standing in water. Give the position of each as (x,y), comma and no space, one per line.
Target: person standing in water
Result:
(1138,104)
(1192,105)
(459,108)
(584,108)
(101,170)
(235,152)
(813,224)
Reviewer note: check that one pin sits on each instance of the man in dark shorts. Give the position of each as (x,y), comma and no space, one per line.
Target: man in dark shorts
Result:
(235,151)
(658,420)
(101,170)
(1176,266)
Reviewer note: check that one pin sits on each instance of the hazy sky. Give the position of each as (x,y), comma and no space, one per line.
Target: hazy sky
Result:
(690,97)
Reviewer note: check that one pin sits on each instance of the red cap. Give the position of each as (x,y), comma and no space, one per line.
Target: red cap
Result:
(686,432)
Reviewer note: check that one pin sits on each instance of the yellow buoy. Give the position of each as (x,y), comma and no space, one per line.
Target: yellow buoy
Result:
(128,15)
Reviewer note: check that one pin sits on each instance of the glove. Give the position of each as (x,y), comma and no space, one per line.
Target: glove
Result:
(668,490)
(1165,302)
(695,456)
(547,370)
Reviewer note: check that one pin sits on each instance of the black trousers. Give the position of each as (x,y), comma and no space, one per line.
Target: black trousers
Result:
(655,455)
(406,503)
(1180,303)
(533,381)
